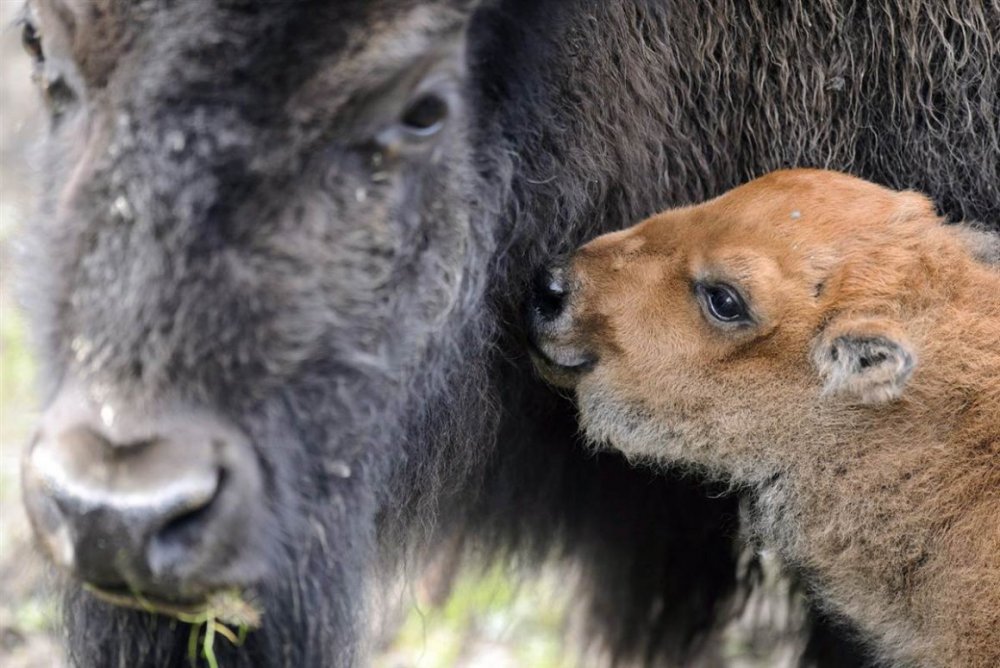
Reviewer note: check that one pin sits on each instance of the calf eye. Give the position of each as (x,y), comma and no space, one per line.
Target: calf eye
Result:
(425,116)
(724,303)
(31,40)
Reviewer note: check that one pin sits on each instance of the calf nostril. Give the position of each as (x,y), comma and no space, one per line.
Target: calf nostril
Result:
(550,292)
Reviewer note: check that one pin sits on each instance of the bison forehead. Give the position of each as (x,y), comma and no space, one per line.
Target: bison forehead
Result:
(200,233)
(273,44)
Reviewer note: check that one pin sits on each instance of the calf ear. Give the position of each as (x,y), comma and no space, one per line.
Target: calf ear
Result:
(868,360)
(982,242)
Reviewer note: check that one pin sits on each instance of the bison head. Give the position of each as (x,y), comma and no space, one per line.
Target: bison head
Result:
(251,275)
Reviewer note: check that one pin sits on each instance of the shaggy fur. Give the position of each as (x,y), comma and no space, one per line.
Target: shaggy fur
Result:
(222,223)
(861,417)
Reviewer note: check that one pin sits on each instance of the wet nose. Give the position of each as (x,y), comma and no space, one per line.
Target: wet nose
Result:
(549,292)
(160,505)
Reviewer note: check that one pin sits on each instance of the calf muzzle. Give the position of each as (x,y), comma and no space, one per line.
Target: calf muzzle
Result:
(553,335)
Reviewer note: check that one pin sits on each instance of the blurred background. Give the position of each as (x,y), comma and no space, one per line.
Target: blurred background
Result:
(28,637)
(487,621)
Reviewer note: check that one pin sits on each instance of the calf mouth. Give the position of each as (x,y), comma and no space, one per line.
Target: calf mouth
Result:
(563,373)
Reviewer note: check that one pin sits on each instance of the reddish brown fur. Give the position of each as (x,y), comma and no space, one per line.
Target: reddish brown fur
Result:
(881,480)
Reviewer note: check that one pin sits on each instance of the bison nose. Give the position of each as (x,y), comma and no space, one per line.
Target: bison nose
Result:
(162,506)
(549,293)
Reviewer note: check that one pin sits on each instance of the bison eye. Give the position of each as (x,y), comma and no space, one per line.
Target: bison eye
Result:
(58,94)
(724,303)
(31,40)
(425,116)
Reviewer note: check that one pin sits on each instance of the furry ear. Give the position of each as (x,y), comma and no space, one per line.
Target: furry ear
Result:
(868,360)
(914,205)
(982,242)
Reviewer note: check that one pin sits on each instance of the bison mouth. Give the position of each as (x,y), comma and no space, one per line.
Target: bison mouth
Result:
(224,608)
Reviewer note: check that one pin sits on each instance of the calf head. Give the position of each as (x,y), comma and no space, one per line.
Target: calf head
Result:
(250,264)
(766,316)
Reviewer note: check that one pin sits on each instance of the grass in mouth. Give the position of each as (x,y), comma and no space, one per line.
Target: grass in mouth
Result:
(225,613)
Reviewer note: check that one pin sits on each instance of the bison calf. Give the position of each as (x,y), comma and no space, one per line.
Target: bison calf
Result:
(833,350)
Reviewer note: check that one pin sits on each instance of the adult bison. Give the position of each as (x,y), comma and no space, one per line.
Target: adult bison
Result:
(275,272)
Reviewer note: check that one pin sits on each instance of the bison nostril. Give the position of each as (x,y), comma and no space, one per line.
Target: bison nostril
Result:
(181,534)
(550,292)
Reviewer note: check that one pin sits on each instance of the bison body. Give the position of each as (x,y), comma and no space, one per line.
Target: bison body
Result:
(301,230)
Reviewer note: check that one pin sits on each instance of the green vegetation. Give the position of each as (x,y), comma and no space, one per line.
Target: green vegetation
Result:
(223,612)
(487,618)
(17,373)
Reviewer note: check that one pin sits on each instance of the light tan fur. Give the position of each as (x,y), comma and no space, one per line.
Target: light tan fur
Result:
(879,479)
